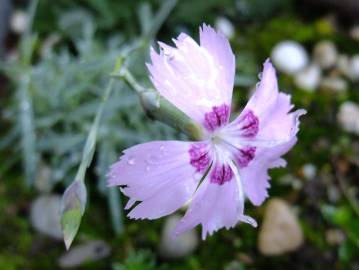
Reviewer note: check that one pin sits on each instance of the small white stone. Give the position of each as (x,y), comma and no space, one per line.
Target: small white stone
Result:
(289,57)
(343,64)
(354,32)
(335,84)
(280,231)
(45,215)
(348,117)
(225,26)
(334,236)
(176,247)
(19,20)
(325,54)
(43,181)
(309,171)
(88,252)
(354,67)
(308,78)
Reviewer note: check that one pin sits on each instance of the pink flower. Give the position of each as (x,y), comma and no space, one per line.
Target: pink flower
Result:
(214,175)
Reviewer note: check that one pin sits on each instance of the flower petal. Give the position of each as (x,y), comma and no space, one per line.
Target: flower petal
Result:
(270,123)
(255,175)
(217,203)
(218,46)
(195,78)
(159,174)
(265,96)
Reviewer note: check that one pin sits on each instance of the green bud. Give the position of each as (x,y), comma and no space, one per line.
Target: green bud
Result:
(72,208)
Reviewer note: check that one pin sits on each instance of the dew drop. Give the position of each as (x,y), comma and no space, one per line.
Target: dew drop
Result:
(131,161)
(148,168)
(162,147)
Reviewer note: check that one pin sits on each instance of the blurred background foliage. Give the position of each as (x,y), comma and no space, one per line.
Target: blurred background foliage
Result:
(51,86)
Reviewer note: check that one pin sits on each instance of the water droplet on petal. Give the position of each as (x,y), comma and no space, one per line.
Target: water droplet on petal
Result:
(131,161)
(162,147)
(148,168)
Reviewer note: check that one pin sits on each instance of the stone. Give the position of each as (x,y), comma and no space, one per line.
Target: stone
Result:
(172,247)
(90,251)
(334,236)
(354,32)
(18,22)
(224,26)
(309,171)
(343,65)
(45,215)
(308,78)
(325,54)
(289,57)
(43,182)
(335,84)
(348,117)
(354,68)
(280,232)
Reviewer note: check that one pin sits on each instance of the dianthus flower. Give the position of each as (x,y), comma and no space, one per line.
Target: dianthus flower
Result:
(215,175)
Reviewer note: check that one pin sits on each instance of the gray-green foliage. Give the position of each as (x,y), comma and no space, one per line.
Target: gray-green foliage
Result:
(64,88)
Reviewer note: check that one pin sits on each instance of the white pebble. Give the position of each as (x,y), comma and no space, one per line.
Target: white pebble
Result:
(309,78)
(289,57)
(224,26)
(280,231)
(354,32)
(176,247)
(45,215)
(335,84)
(19,21)
(325,54)
(354,67)
(309,171)
(343,65)
(348,117)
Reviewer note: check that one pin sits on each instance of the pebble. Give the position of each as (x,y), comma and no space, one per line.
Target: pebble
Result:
(225,26)
(18,22)
(280,232)
(348,117)
(176,247)
(335,84)
(88,252)
(45,215)
(334,236)
(308,78)
(354,32)
(325,54)
(289,57)
(309,171)
(43,181)
(354,68)
(343,65)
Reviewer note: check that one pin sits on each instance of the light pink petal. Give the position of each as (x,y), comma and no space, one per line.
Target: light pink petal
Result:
(275,124)
(218,46)
(215,206)
(255,176)
(265,96)
(158,175)
(193,77)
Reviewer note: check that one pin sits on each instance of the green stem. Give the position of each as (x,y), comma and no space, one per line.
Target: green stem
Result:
(161,109)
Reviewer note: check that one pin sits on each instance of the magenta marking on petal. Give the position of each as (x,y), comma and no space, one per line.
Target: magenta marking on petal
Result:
(245,155)
(221,173)
(249,124)
(199,155)
(217,117)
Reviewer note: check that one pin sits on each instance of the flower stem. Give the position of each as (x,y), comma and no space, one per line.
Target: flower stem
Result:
(159,108)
